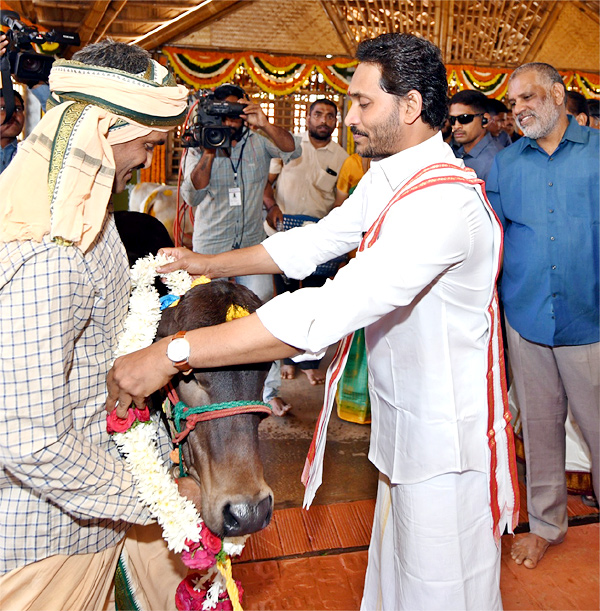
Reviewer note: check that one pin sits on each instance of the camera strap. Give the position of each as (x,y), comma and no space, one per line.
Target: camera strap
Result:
(8,93)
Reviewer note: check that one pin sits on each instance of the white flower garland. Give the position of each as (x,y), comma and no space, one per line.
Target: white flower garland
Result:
(157,490)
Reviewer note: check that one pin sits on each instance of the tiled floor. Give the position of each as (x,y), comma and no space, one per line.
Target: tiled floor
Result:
(316,560)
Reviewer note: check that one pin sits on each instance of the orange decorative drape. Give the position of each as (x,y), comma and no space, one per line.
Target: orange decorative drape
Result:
(283,75)
(157,172)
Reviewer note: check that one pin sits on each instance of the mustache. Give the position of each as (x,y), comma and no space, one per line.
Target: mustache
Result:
(355,131)
(525,112)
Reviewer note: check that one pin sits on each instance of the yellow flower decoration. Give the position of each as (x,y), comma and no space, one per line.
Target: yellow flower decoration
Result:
(236,311)
(200,280)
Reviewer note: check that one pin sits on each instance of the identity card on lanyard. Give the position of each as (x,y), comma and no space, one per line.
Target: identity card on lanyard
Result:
(235,196)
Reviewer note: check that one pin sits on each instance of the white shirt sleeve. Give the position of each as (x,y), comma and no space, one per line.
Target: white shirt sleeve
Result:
(420,239)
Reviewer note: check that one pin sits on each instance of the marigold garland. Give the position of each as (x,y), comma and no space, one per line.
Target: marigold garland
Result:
(136,437)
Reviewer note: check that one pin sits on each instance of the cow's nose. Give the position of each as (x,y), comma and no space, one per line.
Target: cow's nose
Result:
(245,518)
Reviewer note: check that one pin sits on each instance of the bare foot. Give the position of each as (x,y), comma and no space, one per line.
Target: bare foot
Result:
(279,406)
(288,372)
(528,550)
(314,376)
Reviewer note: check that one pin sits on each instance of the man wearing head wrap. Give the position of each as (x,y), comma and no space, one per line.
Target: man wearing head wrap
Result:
(66,497)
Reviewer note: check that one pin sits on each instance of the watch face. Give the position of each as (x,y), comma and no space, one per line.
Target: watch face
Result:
(178,350)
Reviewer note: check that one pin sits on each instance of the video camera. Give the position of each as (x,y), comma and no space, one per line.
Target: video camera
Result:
(26,66)
(207,129)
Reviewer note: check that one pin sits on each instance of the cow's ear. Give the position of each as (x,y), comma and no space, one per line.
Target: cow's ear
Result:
(168,323)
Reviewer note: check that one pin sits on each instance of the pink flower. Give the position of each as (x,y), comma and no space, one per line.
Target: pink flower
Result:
(143,415)
(188,599)
(210,541)
(197,557)
(114,424)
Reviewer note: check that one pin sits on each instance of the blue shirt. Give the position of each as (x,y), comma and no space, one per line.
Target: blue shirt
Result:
(6,154)
(502,140)
(548,206)
(480,157)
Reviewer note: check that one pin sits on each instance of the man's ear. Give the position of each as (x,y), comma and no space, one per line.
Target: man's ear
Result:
(413,106)
(558,94)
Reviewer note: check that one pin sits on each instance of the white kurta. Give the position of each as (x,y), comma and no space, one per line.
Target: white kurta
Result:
(422,291)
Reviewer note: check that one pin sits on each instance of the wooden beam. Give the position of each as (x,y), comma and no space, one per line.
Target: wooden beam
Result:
(115,8)
(25,8)
(587,10)
(210,11)
(449,18)
(343,31)
(91,21)
(173,4)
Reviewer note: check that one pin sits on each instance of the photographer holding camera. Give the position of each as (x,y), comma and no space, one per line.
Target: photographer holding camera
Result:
(10,127)
(226,186)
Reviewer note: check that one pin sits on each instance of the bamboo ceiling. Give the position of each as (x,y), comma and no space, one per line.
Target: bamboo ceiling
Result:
(501,33)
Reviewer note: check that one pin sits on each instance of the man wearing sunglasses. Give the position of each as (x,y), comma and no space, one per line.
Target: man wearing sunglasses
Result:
(468,117)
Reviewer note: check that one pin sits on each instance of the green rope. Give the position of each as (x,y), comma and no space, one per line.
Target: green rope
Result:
(181,411)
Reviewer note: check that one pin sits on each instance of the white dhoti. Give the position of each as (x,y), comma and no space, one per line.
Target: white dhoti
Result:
(432,547)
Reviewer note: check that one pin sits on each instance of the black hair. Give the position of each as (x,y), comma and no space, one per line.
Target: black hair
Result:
(495,107)
(594,107)
(470,97)
(409,63)
(18,96)
(577,104)
(323,101)
(224,91)
(117,55)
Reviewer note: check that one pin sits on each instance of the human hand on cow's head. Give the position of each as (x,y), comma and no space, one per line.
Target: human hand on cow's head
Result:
(194,263)
(135,376)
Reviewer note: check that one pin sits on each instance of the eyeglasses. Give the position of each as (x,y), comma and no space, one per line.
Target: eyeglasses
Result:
(464,119)
(17,109)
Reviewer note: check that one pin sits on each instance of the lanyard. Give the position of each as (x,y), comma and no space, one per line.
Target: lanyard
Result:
(236,167)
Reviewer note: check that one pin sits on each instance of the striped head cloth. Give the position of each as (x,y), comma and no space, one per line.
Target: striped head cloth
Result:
(61,179)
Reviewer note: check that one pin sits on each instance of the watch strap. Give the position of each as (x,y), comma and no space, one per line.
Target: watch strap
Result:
(184,365)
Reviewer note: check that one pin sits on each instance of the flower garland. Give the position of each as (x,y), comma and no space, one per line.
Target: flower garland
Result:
(136,437)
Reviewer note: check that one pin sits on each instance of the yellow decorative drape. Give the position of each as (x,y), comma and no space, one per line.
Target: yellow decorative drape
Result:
(283,75)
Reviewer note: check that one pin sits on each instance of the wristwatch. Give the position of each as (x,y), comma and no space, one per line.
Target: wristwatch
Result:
(178,351)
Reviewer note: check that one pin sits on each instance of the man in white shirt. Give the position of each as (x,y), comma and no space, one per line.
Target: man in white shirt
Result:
(423,286)
(307,186)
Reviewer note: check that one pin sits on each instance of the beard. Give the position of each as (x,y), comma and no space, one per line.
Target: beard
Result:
(322,136)
(547,116)
(383,138)
(238,134)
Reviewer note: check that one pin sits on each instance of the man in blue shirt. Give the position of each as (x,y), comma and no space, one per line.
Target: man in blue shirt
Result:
(468,117)
(497,111)
(544,188)
(9,130)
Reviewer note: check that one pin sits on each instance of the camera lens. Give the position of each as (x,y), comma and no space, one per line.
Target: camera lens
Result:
(31,64)
(215,137)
